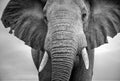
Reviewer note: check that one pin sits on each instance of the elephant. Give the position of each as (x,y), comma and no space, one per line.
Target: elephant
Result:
(62,34)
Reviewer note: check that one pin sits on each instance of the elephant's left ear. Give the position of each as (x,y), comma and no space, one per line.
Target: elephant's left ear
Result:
(104,21)
(26,18)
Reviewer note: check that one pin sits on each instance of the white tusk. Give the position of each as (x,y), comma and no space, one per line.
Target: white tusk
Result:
(85,58)
(44,61)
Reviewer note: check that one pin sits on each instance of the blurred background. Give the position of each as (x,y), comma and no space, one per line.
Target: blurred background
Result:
(16,63)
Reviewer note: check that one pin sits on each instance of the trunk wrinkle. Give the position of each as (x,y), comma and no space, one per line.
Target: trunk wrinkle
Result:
(62,63)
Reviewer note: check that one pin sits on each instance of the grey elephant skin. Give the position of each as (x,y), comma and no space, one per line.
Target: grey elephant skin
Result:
(62,28)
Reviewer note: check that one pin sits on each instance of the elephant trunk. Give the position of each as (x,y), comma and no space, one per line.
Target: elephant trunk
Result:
(62,43)
(62,61)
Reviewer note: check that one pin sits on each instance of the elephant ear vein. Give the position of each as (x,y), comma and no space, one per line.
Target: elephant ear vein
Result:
(104,21)
(25,17)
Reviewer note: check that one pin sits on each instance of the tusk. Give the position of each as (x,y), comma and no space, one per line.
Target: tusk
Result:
(44,61)
(85,58)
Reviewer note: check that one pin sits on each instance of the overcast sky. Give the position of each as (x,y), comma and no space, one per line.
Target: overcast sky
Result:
(16,61)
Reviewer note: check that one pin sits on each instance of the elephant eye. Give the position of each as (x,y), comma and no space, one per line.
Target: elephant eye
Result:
(45,19)
(84,14)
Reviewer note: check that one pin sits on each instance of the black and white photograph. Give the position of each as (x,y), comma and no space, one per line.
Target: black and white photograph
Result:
(59,40)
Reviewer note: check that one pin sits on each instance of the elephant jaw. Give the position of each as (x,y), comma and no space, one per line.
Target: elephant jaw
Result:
(84,56)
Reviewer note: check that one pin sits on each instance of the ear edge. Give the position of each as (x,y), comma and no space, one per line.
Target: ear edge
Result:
(20,22)
(102,24)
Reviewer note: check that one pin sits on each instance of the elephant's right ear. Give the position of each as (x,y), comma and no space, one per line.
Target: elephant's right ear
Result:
(104,21)
(26,18)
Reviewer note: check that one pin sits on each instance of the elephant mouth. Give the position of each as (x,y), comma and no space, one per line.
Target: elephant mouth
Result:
(84,56)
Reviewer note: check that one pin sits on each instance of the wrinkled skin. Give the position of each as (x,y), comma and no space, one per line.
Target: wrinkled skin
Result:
(62,29)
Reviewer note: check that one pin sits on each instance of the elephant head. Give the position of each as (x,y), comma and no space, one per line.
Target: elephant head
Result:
(59,30)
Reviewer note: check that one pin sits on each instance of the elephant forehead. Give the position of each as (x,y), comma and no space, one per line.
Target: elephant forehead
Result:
(75,27)
(68,5)
(65,1)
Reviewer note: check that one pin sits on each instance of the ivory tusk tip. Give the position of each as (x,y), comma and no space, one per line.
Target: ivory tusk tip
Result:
(85,58)
(40,69)
(43,62)
(87,65)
